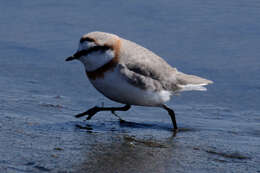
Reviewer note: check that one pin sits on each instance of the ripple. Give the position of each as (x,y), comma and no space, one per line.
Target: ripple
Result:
(233,155)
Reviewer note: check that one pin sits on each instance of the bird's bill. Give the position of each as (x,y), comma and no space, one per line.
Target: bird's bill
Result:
(71,58)
(77,55)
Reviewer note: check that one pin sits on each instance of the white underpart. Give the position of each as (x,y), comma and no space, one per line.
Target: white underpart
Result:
(97,59)
(115,87)
(190,87)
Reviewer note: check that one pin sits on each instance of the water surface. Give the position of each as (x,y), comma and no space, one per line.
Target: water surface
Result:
(40,92)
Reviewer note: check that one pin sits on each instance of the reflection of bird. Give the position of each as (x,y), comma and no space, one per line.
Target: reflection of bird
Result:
(128,73)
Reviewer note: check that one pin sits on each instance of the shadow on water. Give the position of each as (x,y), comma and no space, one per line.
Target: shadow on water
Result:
(132,125)
(129,124)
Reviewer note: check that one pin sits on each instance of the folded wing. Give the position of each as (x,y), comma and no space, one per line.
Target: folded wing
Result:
(146,70)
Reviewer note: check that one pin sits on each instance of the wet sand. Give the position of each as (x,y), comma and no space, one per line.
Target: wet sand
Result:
(106,145)
(40,93)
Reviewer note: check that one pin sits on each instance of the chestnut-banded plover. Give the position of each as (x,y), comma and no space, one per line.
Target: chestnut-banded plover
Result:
(130,74)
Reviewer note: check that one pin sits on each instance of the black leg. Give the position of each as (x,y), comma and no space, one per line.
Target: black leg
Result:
(172,114)
(120,119)
(92,111)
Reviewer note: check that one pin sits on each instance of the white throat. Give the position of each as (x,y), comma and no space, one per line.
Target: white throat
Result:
(97,59)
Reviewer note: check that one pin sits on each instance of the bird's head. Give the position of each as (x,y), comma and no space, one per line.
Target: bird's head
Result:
(96,49)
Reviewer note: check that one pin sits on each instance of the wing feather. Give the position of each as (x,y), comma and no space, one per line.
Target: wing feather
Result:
(147,70)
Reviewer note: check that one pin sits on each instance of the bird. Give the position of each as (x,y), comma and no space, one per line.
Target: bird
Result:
(128,73)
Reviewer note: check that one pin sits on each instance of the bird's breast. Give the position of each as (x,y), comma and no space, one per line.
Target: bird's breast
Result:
(114,86)
(100,72)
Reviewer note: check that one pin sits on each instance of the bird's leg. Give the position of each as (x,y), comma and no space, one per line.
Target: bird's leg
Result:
(120,119)
(92,111)
(172,114)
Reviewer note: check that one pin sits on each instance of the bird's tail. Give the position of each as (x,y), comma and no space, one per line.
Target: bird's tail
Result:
(190,82)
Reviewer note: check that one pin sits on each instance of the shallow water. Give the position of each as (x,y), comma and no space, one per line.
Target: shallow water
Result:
(40,92)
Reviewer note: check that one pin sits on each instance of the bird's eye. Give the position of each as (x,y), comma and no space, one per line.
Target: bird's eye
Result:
(86,39)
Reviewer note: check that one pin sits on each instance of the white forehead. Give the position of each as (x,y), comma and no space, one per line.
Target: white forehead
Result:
(86,45)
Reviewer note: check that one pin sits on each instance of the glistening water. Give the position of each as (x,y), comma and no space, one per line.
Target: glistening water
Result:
(40,92)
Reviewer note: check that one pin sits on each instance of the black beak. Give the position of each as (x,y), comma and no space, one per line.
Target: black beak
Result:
(77,55)
(70,58)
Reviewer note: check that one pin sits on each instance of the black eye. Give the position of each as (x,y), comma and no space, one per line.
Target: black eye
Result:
(86,39)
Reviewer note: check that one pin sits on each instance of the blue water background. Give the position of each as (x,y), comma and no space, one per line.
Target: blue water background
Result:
(218,40)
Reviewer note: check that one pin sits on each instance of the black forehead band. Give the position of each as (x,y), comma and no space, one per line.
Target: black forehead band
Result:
(91,50)
(86,39)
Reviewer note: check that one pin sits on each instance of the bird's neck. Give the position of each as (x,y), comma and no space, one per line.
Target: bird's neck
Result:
(96,60)
(97,63)
(100,72)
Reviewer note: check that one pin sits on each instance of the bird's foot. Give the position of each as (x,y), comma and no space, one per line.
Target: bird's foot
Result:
(120,119)
(91,112)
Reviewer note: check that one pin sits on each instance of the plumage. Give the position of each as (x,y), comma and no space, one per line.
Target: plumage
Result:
(144,69)
(131,74)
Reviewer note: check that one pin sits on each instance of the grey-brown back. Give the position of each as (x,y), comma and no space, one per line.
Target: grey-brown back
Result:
(147,70)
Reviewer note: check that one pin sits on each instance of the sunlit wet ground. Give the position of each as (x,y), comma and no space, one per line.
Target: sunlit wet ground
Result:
(40,93)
